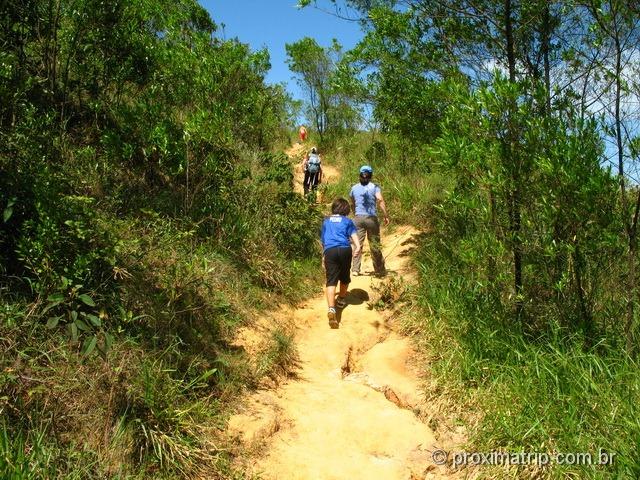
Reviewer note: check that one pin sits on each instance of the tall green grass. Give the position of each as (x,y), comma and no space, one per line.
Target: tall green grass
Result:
(27,455)
(550,393)
(153,405)
(408,189)
(546,395)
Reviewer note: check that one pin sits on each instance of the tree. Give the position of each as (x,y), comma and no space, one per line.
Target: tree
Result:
(617,29)
(329,109)
(416,59)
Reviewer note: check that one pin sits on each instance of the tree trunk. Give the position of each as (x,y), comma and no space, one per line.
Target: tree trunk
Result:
(512,162)
(546,34)
(631,254)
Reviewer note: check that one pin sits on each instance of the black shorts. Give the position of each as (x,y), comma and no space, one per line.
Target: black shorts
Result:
(337,263)
(311,180)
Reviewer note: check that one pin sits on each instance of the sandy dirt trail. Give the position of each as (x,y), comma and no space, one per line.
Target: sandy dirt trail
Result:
(297,152)
(353,409)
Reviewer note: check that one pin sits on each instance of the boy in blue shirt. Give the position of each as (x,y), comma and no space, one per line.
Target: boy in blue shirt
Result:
(337,231)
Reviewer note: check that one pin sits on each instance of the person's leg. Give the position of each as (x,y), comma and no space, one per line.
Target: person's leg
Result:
(331,295)
(305,183)
(341,301)
(375,246)
(345,278)
(311,186)
(357,259)
(332,269)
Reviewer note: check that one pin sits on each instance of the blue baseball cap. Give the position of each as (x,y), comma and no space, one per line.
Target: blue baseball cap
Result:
(366,169)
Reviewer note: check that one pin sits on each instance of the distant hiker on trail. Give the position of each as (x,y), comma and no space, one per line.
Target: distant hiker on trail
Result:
(337,233)
(311,164)
(302,132)
(364,196)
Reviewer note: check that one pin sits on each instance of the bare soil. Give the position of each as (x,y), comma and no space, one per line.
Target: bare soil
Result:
(297,152)
(354,407)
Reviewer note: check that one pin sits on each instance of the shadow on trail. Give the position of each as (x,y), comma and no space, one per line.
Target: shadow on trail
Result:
(414,241)
(357,296)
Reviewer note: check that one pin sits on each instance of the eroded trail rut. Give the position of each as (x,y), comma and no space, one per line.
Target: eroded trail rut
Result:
(353,409)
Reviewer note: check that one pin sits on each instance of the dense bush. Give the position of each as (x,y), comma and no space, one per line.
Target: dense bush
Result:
(144,217)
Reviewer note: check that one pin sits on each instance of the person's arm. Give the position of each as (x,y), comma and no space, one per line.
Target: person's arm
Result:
(353,201)
(322,243)
(382,206)
(319,168)
(305,159)
(356,243)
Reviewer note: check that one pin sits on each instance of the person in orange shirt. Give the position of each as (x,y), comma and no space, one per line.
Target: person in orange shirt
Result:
(303,133)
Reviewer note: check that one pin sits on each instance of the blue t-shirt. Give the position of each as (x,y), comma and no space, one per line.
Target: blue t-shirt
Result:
(336,231)
(364,197)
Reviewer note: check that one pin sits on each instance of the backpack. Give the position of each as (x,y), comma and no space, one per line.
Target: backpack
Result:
(313,165)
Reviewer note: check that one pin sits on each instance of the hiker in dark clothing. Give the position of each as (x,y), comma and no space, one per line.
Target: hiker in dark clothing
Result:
(312,171)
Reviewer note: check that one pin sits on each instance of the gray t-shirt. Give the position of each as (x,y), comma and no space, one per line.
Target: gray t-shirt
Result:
(364,197)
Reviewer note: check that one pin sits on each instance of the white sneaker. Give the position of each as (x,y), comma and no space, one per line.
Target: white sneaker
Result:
(331,315)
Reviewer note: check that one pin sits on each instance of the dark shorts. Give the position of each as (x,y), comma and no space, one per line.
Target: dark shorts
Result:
(337,262)
(311,180)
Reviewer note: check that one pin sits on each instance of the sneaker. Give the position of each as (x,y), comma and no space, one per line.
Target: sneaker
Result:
(380,274)
(341,302)
(356,274)
(333,321)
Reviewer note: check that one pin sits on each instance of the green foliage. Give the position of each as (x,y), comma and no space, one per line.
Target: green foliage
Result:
(278,169)
(64,244)
(546,396)
(279,357)
(567,224)
(25,456)
(139,117)
(283,229)
(78,312)
(119,118)
(330,109)
(560,365)
(163,420)
(144,217)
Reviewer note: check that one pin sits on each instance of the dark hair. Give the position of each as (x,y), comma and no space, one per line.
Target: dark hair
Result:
(340,206)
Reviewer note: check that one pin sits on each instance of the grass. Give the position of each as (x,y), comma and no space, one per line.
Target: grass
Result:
(279,356)
(515,393)
(408,189)
(522,395)
(155,404)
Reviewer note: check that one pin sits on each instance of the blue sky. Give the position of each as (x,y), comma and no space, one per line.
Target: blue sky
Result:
(272,23)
